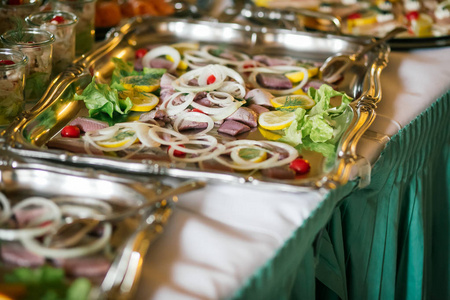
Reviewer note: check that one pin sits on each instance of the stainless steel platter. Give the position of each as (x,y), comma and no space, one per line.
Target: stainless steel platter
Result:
(28,136)
(313,20)
(131,236)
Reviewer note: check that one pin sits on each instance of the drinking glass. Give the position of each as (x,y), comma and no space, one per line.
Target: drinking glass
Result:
(12,80)
(85,28)
(62,25)
(37,45)
(14,11)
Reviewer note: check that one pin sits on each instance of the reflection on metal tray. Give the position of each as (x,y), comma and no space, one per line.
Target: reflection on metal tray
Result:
(29,135)
(315,20)
(130,236)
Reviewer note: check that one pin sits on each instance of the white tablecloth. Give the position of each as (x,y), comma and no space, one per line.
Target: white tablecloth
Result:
(219,236)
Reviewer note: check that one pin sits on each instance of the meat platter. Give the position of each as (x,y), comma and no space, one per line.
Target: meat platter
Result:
(261,145)
(103,263)
(427,21)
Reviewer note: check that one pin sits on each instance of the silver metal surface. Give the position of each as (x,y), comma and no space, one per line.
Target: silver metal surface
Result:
(19,179)
(311,20)
(27,136)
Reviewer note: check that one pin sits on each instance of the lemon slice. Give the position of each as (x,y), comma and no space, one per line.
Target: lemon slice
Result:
(143,101)
(181,47)
(140,83)
(181,65)
(297,76)
(121,138)
(293,101)
(253,155)
(422,27)
(276,120)
(269,135)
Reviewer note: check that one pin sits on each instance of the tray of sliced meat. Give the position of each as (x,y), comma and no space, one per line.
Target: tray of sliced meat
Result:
(68,233)
(209,100)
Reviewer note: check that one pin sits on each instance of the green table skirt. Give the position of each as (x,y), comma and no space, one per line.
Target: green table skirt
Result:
(390,240)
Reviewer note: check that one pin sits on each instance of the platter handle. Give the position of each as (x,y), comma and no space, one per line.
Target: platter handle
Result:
(364,115)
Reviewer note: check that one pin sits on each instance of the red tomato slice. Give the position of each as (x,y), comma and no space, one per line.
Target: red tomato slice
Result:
(178,153)
(140,52)
(211,79)
(5,62)
(58,19)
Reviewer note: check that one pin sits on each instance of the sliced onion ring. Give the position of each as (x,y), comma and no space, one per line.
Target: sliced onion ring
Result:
(33,246)
(160,51)
(54,215)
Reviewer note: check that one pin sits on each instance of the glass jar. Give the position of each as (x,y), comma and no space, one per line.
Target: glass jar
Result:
(62,25)
(85,28)
(37,45)
(12,80)
(13,11)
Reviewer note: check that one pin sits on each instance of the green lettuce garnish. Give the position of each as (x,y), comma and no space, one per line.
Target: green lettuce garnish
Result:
(101,99)
(319,128)
(123,69)
(48,283)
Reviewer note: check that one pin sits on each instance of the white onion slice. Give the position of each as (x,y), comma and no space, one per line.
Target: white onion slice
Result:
(176,109)
(233,88)
(179,138)
(220,98)
(82,207)
(53,215)
(93,139)
(160,51)
(224,61)
(33,246)
(195,59)
(201,157)
(219,113)
(239,163)
(208,141)
(6,208)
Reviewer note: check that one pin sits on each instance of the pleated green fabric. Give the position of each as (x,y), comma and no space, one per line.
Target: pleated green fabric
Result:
(394,235)
(290,274)
(390,240)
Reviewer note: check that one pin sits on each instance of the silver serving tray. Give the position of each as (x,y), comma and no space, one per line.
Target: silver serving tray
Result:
(289,18)
(19,180)
(28,135)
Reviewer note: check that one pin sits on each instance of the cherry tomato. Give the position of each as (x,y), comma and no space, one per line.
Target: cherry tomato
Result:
(300,166)
(58,19)
(211,79)
(70,131)
(198,110)
(412,15)
(178,153)
(353,16)
(5,62)
(140,52)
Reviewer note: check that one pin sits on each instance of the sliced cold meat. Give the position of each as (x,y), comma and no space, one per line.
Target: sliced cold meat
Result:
(88,124)
(273,81)
(15,254)
(72,145)
(259,109)
(245,115)
(259,96)
(233,128)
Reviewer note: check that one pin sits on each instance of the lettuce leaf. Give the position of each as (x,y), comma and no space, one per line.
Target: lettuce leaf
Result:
(102,99)
(319,128)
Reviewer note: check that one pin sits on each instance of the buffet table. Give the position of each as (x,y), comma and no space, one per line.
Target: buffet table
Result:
(372,243)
